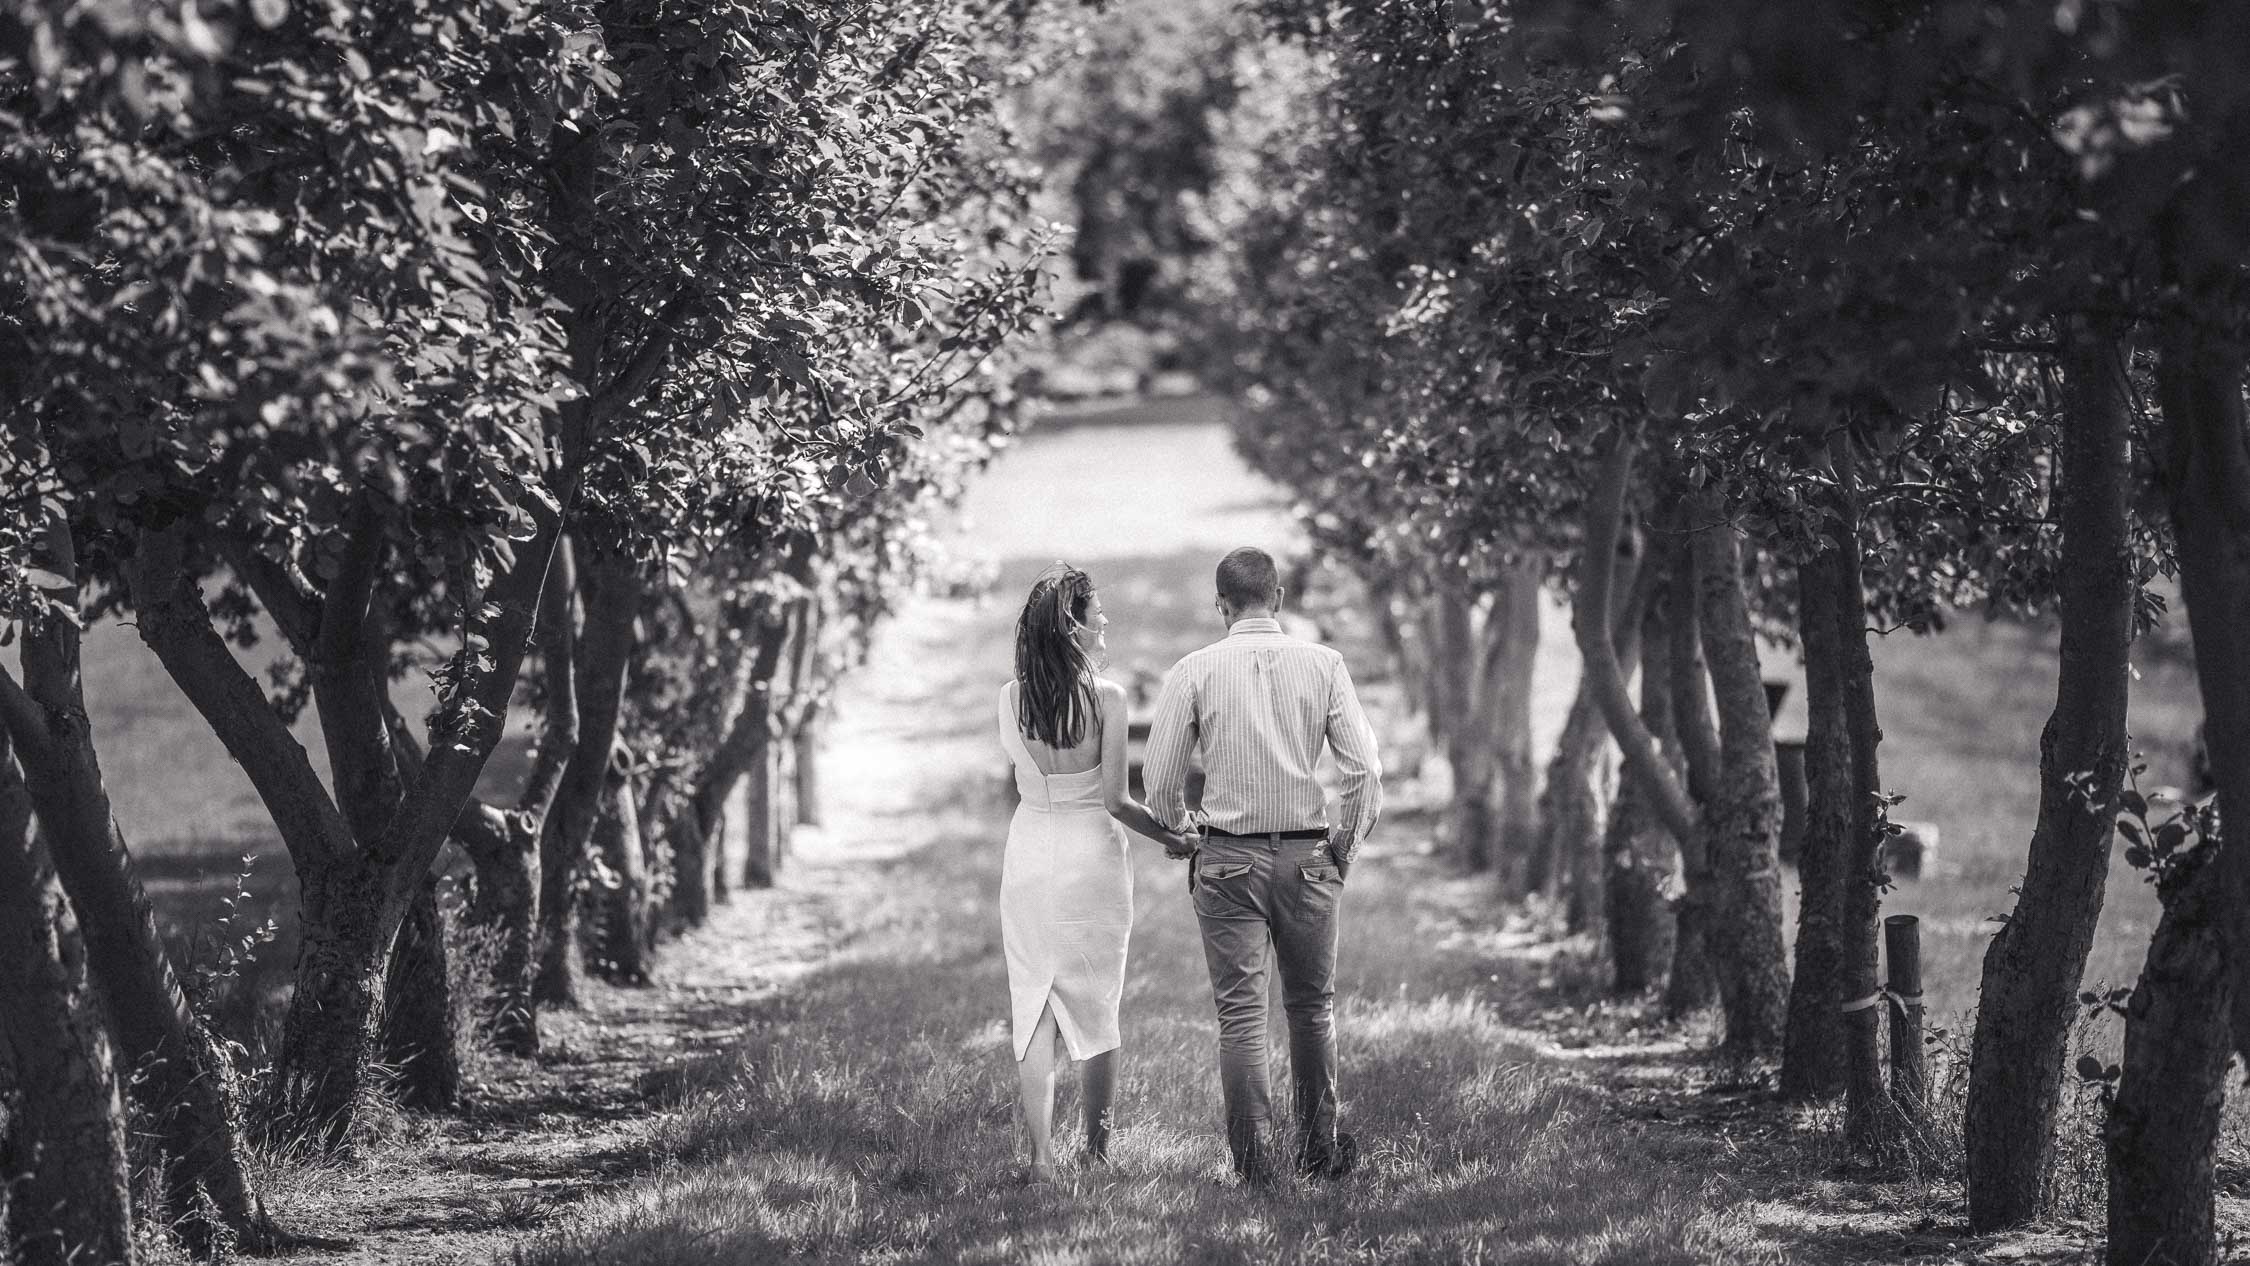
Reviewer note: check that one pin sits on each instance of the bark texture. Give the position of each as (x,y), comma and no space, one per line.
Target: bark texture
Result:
(505,850)
(761,826)
(624,898)
(181,1079)
(1512,650)
(670,817)
(2033,967)
(1638,854)
(611,591)
(1694,982)
(1813,1062)
(421,1041)
(505,846)
(71,1202)
(2162,1136)
(1743,817)
(1566,855)
(2189,1006)
(358,855)
(1469,732)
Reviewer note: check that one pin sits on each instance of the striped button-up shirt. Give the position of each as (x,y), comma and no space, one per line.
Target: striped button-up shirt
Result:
(1259,705)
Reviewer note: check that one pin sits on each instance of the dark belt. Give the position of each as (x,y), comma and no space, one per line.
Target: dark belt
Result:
(1314,833)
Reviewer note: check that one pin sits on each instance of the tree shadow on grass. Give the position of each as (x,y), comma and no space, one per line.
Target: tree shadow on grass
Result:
(880,1118)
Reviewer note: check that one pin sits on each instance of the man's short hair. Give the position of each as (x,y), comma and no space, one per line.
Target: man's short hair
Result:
(1247,578)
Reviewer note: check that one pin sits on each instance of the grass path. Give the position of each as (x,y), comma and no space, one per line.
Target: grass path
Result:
(872,1118)
(1509,1112)
(823,1073)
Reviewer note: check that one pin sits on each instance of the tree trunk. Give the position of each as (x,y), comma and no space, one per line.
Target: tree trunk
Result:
(1674,801)
(784,799)
(1884,1126)
(1694,982)
(2162,1126)
(1512,640)
(1813,1062)
(623,958)
(1471,734)
(1743,818)
(506,846)
(1637,850)
(691,857)
(1568,861)
(349,919)
(72,1202)
(180,1077)
(421,1042)
(2163,1129)
(746,734)
(1836,1008)
(807,742)
(505,849)
(761,863)
(2033,967)
(1570,813)
(605,650)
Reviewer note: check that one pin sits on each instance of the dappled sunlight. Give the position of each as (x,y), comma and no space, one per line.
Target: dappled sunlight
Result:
(873,1117)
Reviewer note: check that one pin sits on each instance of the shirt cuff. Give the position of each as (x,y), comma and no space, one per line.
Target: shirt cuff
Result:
(1343,845)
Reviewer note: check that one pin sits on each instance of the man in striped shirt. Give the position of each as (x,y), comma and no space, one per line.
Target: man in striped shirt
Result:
(1259,706)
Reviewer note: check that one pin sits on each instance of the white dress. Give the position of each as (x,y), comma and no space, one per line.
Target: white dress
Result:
(1066,902)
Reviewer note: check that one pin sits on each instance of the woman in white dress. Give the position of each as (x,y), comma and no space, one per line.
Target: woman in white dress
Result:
(1066,884)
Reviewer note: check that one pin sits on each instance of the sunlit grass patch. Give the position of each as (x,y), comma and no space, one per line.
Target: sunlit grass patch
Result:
(874,1120)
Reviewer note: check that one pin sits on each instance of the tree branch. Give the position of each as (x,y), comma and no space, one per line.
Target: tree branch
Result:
(1593,622)
(297,616)
(343,609)
(557,637)
(177,626)
(464,735)
(640,369)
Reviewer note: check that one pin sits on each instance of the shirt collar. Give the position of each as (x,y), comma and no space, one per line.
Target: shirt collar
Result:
(1254,624)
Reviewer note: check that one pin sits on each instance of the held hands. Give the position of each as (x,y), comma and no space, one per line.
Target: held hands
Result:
(1182,845)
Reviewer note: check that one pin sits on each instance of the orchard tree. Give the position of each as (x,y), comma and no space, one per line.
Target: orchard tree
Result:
(2156,172)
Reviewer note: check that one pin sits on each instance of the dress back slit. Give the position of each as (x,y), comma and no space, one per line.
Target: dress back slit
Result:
(1066,901)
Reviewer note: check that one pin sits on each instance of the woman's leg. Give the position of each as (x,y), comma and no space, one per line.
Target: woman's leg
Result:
(1035,1090)
(1100,1083)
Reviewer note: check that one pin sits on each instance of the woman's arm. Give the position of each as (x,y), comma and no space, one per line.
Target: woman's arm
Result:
(1115,798)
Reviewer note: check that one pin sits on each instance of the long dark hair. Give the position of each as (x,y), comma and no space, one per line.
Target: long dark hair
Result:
(1054,683)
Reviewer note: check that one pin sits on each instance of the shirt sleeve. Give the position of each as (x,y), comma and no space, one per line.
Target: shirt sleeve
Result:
(1171,739)
(1361,770)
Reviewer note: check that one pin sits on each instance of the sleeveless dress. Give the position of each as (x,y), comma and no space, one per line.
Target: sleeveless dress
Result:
(1066,902)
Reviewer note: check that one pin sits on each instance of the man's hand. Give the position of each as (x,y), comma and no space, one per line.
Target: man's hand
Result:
(1183,844)
(1336,858)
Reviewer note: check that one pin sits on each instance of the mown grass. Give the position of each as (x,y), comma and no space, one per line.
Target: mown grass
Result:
(875,1120)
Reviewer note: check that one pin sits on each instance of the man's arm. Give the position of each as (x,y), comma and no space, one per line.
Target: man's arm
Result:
(1353,741)
(1171,739)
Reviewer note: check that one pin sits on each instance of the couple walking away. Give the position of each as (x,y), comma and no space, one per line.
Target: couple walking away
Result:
(1267,864)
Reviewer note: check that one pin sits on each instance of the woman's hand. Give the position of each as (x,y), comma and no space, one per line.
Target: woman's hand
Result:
(1179,845)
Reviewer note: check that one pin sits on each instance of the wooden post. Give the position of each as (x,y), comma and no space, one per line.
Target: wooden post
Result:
(1902,949)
